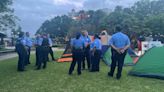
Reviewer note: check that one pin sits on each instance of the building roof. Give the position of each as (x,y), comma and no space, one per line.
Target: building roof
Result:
(2,34)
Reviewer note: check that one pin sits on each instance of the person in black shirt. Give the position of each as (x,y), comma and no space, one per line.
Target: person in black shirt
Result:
(44,50)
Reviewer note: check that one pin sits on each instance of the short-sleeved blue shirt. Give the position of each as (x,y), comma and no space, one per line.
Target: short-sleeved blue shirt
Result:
(86,39)
(119,40)
(29,42)
(38,41)
(96,44)
(78,43)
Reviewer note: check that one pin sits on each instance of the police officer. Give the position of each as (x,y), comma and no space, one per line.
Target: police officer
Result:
(38,43)
(22,52)
(119,44)
(96,47)
(86,55)
(28,46)
(77,52)
(44,50)
(50,48)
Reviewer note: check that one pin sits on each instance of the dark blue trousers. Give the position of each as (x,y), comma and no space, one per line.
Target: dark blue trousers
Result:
(95,60)
(28,55)
(87,57)
(51,53)
(117,59)
(37,53)
(44,50)
(22,53)
(77,58)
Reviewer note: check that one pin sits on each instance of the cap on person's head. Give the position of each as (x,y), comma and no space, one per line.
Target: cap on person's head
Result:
(27,34)
(78,35)
(21,34)
(118,28)
(96,36)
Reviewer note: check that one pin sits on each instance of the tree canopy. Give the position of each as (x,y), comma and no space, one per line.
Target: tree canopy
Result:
(7,17)
(144,16)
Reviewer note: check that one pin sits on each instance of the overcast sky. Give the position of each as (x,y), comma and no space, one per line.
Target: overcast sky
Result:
(33,13)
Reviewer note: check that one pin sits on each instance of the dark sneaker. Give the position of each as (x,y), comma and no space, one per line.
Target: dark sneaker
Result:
(21,70)
(118,77)
(110,74)
(37,69)
(79,73)
(44,67)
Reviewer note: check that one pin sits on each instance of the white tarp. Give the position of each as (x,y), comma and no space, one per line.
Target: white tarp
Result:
(149,44)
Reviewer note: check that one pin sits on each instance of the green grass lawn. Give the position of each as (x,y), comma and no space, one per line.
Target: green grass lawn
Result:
(56,79)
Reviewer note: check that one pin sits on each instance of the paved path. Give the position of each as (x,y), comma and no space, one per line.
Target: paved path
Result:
(12,55)
(8,56)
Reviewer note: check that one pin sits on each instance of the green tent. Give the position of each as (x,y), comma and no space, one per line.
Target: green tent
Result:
(107,58)
(128,60)
(151,64)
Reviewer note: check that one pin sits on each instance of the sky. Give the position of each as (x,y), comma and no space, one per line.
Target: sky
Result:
(32,13)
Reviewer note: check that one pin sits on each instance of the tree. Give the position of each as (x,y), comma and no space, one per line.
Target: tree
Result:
(7,18)
(145,16)
(56,27)
(155,23)
(14,34)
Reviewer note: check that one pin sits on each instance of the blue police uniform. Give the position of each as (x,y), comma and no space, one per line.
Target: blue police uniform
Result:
(119,40)
(38,43)
(77,52)
(96,47)
(71,41)
(22,53)
(86,55)
(28,44)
